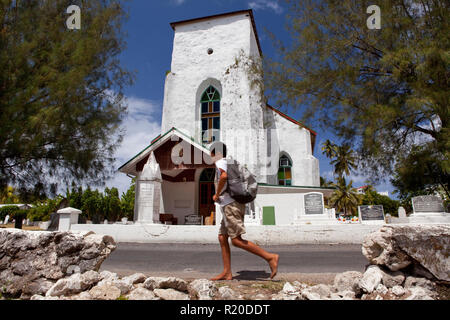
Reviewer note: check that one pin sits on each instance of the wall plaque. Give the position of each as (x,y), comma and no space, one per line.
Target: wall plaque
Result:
(313,203)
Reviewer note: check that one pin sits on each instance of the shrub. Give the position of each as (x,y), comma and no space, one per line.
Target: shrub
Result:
(42,211)
(19,214)
(389,206)
(39,214)
(7,210)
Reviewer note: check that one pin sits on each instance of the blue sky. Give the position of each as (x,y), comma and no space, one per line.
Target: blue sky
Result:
(149,50)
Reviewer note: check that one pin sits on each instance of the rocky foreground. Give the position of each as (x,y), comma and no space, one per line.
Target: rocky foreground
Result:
(406,263)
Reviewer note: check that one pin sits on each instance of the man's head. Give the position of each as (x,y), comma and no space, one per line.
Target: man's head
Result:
(218,150)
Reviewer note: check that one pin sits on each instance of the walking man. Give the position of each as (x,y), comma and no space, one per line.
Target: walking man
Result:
(232,225)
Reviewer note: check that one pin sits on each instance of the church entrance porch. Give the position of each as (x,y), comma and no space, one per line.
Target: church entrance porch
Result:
(186,181)
(187,196)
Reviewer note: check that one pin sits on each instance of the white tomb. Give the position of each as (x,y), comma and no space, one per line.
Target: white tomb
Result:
(312,210)
(148,192)
(67,217)
(371,214)
(402,218)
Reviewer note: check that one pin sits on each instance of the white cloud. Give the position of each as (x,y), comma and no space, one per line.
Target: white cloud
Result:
(329,175)
(357,180)
(420,138)
(139,128)
(266,4)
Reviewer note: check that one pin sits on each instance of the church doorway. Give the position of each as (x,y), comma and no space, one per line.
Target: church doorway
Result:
(206,192)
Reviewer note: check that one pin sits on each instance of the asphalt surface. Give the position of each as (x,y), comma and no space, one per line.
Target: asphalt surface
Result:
(196,260)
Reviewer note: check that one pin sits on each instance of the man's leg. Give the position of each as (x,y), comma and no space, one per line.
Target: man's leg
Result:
(226,257)
(271,258)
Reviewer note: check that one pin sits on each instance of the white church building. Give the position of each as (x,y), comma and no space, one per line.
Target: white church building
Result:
(213,92)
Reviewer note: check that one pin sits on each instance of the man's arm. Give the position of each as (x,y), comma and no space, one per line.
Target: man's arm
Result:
(222,180)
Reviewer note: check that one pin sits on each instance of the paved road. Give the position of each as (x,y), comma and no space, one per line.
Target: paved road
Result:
(196,260)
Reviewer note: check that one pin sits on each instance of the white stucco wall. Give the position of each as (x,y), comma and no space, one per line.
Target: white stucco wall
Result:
(178,198)
(193,70)
(287,206)
(262,235)
(191,66)
(295,142)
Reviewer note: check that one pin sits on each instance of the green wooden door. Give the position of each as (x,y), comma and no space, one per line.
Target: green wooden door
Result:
(269,216)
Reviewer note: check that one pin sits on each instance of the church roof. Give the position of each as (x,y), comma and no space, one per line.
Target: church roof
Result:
(158,141)
(248,11)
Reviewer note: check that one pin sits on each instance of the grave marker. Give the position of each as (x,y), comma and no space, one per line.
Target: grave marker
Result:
(313,203)
(371,214)
(428,209)
(424,204)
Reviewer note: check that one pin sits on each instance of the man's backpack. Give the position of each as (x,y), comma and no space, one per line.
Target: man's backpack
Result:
(242,185)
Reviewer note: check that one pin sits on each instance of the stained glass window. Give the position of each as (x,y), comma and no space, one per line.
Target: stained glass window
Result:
(216,123)
(210,104)
(284,171)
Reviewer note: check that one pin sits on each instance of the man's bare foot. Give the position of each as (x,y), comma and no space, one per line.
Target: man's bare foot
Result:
(223,276)
(273,263)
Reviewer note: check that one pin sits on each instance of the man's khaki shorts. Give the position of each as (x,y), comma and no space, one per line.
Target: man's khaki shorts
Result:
(233,220)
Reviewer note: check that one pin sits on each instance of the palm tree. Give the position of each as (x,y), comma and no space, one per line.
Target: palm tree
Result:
(345,197)
(345,160)
(325,183)
(329,149)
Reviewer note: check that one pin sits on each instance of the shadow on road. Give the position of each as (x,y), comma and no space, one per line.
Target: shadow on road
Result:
(252,275)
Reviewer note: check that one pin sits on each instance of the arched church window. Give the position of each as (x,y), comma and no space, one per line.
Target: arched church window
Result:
(210,112)
(284,171)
